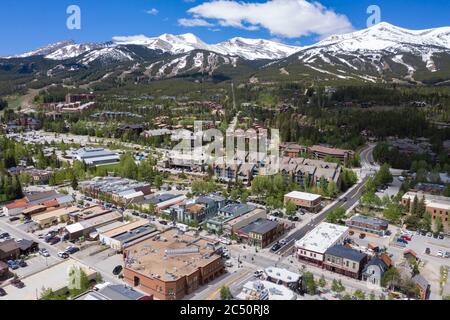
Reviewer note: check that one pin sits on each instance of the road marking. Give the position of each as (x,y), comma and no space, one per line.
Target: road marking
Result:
(217,291)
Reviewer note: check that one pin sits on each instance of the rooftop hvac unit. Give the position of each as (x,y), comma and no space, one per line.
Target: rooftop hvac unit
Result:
(174,252)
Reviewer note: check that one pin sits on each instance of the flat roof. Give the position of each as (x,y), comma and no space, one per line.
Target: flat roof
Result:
(370,220)
(125,228)
(303,196)
(55,213)
(260,226)
(322,237)
(265,290)
(170,255)
(282,274)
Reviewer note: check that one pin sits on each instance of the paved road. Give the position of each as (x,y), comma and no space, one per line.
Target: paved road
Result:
(347,201)
(351,198)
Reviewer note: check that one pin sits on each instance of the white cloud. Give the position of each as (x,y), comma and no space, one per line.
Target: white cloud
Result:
(196,22)
(283,18)
(153,11)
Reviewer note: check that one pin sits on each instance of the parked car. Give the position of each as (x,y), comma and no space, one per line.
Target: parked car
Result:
(2,292)
(163,222)
(401,240)
(295,218)
(429,234)
(71,250)
(427,251)
(258,273)
(447,255)
(54,240)
(4,235)
(440,254)
(441,236)
(362,235)
(228,264)
(17,283)
(117,270)
(405,237)
(22,264)
(43,252)
(13,264)
(63,255)
(282,242)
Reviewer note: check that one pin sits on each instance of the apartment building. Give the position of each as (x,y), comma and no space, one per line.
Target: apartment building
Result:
(437,206)
(366,224)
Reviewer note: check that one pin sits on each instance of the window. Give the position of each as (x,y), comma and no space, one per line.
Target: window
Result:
(137,281)
(354,265)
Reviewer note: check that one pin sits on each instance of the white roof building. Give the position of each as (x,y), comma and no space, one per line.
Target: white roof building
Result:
(265,290)
(282,275)
(324,236)
(303,196)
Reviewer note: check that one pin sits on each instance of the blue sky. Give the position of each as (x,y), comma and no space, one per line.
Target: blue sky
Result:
(28,24)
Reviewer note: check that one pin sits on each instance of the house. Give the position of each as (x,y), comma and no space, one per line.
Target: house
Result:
(9,250)
(423,286)
(345,261)
(374,270)
(312,247)
(366,224)
(308,201)
(261,233)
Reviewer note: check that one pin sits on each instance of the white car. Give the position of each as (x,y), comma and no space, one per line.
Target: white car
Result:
(259,273)
(44,253)
(283,242)
(440,254)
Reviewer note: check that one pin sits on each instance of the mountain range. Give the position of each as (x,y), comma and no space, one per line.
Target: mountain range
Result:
(381,53)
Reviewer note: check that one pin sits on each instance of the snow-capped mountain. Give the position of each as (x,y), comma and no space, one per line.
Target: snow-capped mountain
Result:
(250,49)
(381,53)
(376,51)
(255,49)
(44,50)
(72,51)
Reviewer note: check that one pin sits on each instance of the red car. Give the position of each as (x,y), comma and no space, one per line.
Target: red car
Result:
(405,237)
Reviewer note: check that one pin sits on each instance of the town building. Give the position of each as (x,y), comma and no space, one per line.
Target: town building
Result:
(283,277)
(265,290)
(345,261)
(46,198)
(121,236)
(96,156)
(366,224)
(85,227)
(9,250)
(161,202)
(312,247)
(226,214)
(376,267)
(308,201)
(116,292)
(260,233)
(116,189)
(423,286)
(234,225)
(47,219)
(437,206)
(171,265)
